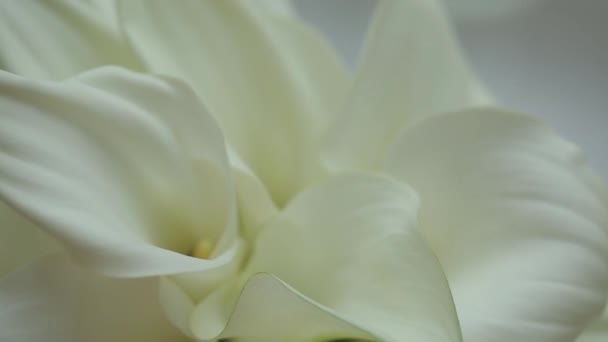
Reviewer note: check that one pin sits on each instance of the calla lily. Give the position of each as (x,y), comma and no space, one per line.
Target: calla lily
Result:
(230,180)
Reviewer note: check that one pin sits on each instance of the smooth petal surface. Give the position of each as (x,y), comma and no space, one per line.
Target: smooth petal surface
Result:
(411,67)
(597,331)
(53,300)
(516,218)
(263,309)
(255,205)
(127,170)
(280,7)
(351,245)
(20,240)
(57,39)
(269,81)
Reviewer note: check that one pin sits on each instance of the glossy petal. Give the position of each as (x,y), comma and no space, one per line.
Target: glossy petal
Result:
(517,219)
(411,67)
(53,300)
(128,171)
(269,81)
(351,245)
(60,38)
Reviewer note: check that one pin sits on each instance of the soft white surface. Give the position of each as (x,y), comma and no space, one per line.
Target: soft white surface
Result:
(549,58)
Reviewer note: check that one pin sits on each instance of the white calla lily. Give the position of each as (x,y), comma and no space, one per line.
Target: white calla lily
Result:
(255,72)
(121,194)
(230,181)
(95,225)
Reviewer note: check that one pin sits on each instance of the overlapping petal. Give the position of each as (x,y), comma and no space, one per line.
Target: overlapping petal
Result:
(255,204)
(344,260)
(411,67)
(53,300)
(351,244)
(259,308)
(61,38)
(517,219)
(269,81)
(126,170)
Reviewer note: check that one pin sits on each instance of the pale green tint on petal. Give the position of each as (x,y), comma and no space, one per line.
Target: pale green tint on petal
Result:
(280,7)
(270,81)
(255,206)
(597,331)
(266,309)
(177,304)
(517,219)
(127,170)
(56,39)
(53,300)
(20,240)
(351,245)
(411,67)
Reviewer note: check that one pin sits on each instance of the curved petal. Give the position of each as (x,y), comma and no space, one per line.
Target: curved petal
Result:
(263,309)
(126,170)
(52,300)
(59,39)
(411,67)
(596,331)
(256,207)
(351,244)
(21,241)
(517,219)
(304,320)
(269,81)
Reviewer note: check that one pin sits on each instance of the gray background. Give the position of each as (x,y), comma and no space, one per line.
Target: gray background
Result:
(547,57)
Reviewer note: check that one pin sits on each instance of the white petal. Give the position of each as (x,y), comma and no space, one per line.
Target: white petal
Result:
(58,39)
(597,331)
(351,245)
(411,67)
(20,240)
(255,205)
(177,305)
(517,219)
(52,300)
(266,309)
(269,81)
(127,170)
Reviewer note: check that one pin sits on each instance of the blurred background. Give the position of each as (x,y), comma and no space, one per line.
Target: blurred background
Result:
(547,57)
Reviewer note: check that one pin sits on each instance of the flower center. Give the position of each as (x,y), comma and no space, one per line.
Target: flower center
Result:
(203,248)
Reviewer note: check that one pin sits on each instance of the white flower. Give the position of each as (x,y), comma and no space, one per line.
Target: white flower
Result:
(256,192)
